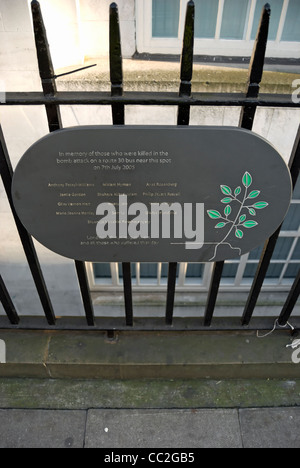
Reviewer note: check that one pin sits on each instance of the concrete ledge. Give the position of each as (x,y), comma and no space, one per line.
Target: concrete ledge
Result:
(161,76)
(151,355)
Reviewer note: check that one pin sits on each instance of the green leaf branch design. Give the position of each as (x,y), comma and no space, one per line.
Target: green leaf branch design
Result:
(240,221)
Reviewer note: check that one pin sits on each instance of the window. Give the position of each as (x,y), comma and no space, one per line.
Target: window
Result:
(277,6)
(237,275)
(206,18)
(291,31)
(234,19)
(165,18)
(222,27)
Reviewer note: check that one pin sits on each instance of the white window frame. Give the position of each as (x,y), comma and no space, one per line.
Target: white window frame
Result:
(217,46)
(237,283)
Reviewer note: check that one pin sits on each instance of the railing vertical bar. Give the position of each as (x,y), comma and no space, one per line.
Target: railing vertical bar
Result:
(183,118)
(290,302)
(127,279)
(45,64)
(246,121)
(187,60)
(6,172)
(116,64)
(85,292)
(256,68)
(46,71)
(172,274)
(7,303)
(270,245)
(118,115)
(213,292)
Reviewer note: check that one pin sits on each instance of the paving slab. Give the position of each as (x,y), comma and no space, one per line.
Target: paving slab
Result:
(163,429)
(42,429)
(270,427)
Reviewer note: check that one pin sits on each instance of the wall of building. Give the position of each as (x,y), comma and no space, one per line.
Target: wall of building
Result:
(22,126)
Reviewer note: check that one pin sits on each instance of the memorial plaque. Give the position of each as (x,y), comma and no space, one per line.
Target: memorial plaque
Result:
(151,194)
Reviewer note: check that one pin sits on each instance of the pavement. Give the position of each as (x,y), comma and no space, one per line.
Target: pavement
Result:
(149,414)
(167,429)
(148,390)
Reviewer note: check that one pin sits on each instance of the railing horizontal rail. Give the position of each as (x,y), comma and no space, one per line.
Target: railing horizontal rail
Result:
(115,324)
(147,99)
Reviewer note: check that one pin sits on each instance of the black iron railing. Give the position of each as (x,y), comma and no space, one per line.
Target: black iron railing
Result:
(117,99)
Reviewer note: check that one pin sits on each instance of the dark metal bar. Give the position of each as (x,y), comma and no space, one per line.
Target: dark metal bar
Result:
(47,76)
(213,292)
(246,121)
(189,324)
(118,115)
(7,303)
(6,172)
(126,267)
(256,68)
(74,71)
(85,292)
(183,118)
(172,274)
(116,66)
(270,244)
(290,302)
(148,99)
(46,69)
(186,73)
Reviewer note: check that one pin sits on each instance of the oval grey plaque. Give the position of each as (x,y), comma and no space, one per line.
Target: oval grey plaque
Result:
(151,194)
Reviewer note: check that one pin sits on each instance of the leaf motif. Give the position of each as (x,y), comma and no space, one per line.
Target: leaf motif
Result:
(226,200)
(226,190)
(252,211)
(220,225)
(261,205)
(237,191)
(239,234)
(254,194)
(242,218)
(247,180)
(227,210)
(213,214)
(250,224)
